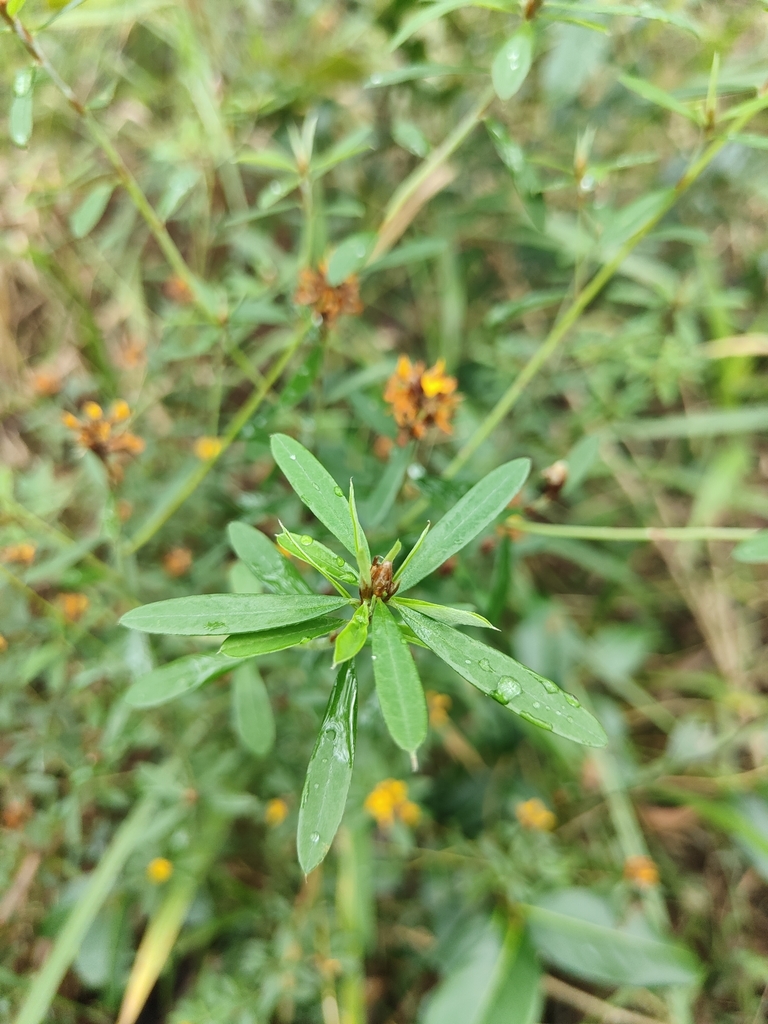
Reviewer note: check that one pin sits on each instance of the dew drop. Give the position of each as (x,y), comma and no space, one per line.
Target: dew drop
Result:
(316,786)
(467,661)
(306,540)
(340,561)
(373,657)
(538,722)
(338,492)
(376,79)
(315,837)
(506,691)
(549,686)
(330,734)
(571,700)
(569,718)
(293,458)
(537,704)
(485,665)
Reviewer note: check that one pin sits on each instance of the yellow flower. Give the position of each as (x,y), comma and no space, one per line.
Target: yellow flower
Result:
(439,704)
(120,412)
(275,812)
(642,871)
(389,799)
(159,870)
(207,448)
(534,814)
(93,411)
(74,606)
(95,431)
(22,554)
(421,398)
(45,383)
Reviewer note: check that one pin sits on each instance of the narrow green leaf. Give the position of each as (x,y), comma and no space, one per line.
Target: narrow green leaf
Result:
(315,487)
(249,645)
(468,517)
(426,14)
(251,710)
(271,157)
(654,94)
(362,551)
(597,952)
(176,678)
(357,142)
(512,63)
(20,113)
(443,613)
(14,6)
(754,550)
(352,638)
(88,214)
(329,773)
(517,996)
(219,614)
(625,223)
(413,552)
(505,311)
(311,551)
(349,257)
(398,686)
(264,560)
(523,691)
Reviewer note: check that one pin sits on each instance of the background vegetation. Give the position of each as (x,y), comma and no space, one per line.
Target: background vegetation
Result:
(588,257)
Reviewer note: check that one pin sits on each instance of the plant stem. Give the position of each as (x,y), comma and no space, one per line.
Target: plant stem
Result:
(561,328)
(202,300)
(632,533)
(167,509)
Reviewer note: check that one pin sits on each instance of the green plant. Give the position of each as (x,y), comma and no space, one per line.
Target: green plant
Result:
(291,615)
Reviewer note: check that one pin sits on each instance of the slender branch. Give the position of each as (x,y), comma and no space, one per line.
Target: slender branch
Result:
(164,513)
(631,533)
(561,328)
(590,1005)
(202,299)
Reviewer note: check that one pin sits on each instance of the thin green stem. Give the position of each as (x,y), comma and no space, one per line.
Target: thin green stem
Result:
(632,533)
(202,300)
(192,482)
(561,328)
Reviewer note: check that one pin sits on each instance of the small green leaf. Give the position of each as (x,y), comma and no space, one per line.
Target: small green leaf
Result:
(468,517)
(88,214)
(398,686)
(219,614)
(14,6)
(176,678)
(442,613)
(271,157)
(249,645)
(20,114)
(315,487)
(362,551)
(352,638)
(311,551)
(357,142)
(264,560)
(512,63)
(654,94)
(754,549)
(349,257)
(252,715)
(329,773)
(523,691)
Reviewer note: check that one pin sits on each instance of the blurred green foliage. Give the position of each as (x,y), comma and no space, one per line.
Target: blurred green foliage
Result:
(587,254)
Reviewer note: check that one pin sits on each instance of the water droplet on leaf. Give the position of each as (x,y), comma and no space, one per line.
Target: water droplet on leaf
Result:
(485,665)
(506,691)
(306,540)
(338,492)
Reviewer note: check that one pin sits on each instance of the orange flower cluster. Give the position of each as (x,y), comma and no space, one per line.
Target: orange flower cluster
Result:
(535,815)
(177,561)
(96,431)
(73,606)
(19,554)
(275,812)
(327,300)
(389,800)
(642,871)
(421,398)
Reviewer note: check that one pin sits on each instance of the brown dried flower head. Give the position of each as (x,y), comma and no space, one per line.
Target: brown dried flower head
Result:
(421,398)
(96,431)
(382,585)
(177,561)
(328,301)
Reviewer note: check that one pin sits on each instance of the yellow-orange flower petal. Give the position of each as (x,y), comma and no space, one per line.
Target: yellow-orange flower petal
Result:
(535,815)
(642,871)
(207,447)
(74,606)
(3,644)
(159,870)
(275,812)
(120,411)
(21,554)
(92,411)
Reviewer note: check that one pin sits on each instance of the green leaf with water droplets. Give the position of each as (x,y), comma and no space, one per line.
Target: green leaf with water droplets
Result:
(315,487)
(329,773)
(352,638)
(219,614)
(444,613)
(512,63)
(176,678)
(349,257)
(250,645)
(252,716)
(311,551)
(534,698)
(263,558)
(398,686)
(468,517)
